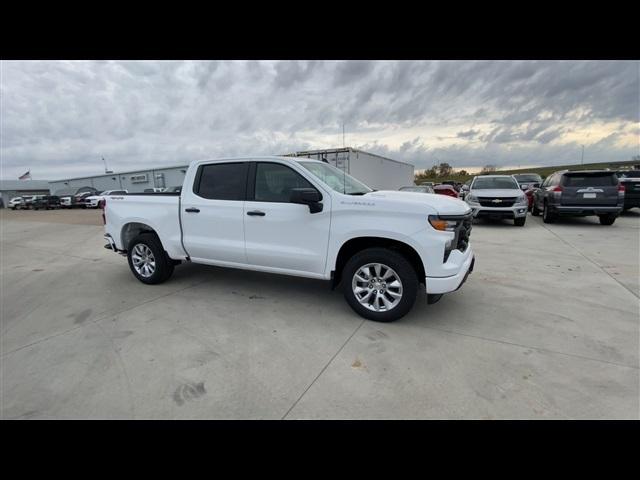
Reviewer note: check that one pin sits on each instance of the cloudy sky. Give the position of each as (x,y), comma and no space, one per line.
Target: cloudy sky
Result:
(60,118)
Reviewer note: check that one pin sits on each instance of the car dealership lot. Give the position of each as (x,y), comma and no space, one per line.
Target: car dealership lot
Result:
(547,326)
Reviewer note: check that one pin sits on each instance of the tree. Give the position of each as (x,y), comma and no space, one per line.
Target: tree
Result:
(488,169)
(463,172)
(444,170)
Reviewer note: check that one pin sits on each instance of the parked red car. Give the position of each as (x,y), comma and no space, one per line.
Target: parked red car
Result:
(529,193)
(445,190)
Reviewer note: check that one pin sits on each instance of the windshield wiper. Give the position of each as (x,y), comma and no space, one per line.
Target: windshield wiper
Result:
(357,193)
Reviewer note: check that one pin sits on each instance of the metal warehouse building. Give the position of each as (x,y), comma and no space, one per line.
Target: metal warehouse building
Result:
(378,172)
(17,188)
(134,181)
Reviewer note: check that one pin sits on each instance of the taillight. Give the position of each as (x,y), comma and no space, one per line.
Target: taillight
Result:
(557,188)
(621,188)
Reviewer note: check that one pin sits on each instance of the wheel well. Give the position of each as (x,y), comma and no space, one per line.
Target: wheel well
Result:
(132,230)
(355,245)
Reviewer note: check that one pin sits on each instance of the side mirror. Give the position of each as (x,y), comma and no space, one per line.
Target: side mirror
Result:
(465,188)
(524,187)
(307,196)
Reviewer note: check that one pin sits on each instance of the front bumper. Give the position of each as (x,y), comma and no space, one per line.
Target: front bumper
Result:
(516,211)
(435,285)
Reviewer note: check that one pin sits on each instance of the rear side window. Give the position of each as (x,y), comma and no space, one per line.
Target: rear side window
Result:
(222,181)
(274,182)
(590,180)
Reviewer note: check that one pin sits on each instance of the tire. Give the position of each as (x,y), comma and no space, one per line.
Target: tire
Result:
(547,216)
(519,222)
(534,210)
(163,266)
(607,219)
(400,268)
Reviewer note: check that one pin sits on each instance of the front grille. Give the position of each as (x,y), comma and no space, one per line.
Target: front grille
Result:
(497,202)
(462,234)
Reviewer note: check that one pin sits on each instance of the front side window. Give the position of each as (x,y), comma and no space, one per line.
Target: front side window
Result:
(222,181)
(274,182)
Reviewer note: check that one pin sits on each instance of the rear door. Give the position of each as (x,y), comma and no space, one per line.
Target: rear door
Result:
(212,213)
(590,188)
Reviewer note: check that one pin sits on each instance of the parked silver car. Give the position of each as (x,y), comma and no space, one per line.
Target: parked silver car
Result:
(497,197)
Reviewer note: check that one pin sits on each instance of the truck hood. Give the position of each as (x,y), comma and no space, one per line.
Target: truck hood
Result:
(489,192)
(442,204)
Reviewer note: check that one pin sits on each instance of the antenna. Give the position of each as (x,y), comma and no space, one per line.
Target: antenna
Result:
(342,134)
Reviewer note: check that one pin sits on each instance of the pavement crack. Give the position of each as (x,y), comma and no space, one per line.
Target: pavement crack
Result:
(323,369)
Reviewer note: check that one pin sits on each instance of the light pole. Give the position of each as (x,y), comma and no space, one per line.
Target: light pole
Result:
(582,157)
(106,170)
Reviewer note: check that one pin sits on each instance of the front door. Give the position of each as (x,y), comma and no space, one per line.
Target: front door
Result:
(281,235)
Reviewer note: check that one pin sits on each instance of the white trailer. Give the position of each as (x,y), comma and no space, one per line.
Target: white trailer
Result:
(380,173)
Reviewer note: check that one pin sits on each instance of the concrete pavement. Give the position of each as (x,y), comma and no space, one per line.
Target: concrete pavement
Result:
(547,326)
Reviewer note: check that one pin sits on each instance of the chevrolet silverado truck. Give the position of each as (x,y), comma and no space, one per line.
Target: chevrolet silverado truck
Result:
(299,217)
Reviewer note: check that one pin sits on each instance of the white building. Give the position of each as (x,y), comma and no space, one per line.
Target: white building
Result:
(17,188)
(376,171)
(134,181)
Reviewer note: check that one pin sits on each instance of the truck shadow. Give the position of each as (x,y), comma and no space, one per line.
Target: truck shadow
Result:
(257,285)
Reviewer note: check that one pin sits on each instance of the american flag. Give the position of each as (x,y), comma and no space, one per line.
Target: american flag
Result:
(25,176)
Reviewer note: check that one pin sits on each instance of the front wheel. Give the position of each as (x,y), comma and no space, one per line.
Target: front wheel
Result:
(380,284)
(147,259)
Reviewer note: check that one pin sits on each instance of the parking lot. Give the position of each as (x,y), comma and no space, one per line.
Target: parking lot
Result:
(546,327)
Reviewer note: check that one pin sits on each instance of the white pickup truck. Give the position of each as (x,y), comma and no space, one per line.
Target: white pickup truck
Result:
(299,217)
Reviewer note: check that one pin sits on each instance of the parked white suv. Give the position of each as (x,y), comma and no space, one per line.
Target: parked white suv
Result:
(497,197)
(299,217)
(94,200)
(16,202)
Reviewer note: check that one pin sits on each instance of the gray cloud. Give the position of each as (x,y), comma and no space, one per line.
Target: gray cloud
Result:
(60,118)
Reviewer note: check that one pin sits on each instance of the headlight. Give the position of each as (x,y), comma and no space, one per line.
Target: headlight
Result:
(443,225)
(522,200)
(471,198)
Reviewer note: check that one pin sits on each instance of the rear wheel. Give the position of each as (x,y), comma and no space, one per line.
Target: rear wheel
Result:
(380,284)
(607,219)
(547,216)
(147,259)
(519,222)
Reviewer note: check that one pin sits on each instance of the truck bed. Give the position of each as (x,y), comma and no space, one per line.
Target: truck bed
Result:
(159,211)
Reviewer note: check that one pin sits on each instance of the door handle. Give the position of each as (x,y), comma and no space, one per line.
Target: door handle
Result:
(192,210)
(256,213)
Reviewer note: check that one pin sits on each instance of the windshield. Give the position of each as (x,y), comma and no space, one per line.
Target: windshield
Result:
(486,183)
(528,178)
(338,180)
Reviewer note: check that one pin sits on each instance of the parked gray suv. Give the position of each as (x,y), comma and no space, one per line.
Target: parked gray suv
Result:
(579,193)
